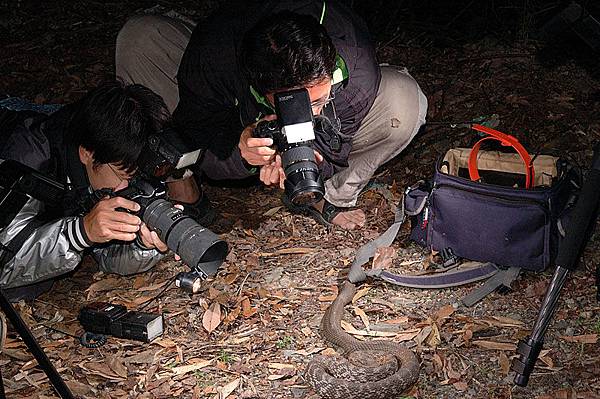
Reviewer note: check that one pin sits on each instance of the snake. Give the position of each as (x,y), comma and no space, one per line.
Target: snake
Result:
(366,369)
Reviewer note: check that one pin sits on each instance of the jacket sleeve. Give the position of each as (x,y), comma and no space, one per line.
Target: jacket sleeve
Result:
(207,114)
(52,249)
(125,258)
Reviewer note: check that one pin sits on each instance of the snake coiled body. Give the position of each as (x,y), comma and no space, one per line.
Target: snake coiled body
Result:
(368,370)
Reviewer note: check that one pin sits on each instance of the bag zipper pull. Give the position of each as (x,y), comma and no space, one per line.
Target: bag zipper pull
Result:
(425,217)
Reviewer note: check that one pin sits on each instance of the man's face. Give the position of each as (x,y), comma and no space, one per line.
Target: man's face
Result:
(319,95)
(104,175)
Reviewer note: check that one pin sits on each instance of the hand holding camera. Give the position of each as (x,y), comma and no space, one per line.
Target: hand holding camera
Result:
(257,151)
(292,134)
(105,223)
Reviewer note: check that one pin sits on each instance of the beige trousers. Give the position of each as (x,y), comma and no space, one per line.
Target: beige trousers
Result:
(149,50)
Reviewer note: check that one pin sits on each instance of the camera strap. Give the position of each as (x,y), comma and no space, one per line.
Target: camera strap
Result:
(10,250)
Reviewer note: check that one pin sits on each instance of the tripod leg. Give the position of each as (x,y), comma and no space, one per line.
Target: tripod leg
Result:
(59,385)
(3,327)
(2,394)
(598,283)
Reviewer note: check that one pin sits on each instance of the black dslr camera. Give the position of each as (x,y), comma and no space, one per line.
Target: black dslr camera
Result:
(197,246)
(293,134)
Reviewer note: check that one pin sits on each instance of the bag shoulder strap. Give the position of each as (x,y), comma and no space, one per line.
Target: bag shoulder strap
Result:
(449,277)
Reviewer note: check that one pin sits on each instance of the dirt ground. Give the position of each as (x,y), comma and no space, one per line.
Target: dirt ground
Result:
(253,328)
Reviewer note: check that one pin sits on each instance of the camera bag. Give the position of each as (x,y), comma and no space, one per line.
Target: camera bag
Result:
(504,211)
(492,206)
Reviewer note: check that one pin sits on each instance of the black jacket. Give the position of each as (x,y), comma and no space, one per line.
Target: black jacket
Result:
(215,100)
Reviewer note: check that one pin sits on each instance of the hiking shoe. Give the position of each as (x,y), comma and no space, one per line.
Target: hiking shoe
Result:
(201,211)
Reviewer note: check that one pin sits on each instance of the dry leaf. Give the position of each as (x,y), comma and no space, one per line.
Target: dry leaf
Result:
(280,366)
(383,258)
(140,281)
(166,343)
(504,364)
(422,335)
(493,345)
(225,391)
(399,320)
(232,315)
(197,364)
(247,309)
(468,333)
(80,389)
(288,251)
(349,328)
(102,369)
(230,278)
(272,211)
(438,362)
(116,365)
(507,322)
(360,293)
(444,312)
(547,361)
(154,287)
(434,339)
(363,316)
(329,298)
(582,339)
(461,385)
(212,317)
(407,335)
(450,372)
(106,284)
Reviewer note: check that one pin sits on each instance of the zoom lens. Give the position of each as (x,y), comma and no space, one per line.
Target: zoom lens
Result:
(197,246)
(303,183)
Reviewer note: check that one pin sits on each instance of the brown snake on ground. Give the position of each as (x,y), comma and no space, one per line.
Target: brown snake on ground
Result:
(373,370)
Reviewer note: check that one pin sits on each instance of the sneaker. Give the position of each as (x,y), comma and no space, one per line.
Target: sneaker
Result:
(201,211)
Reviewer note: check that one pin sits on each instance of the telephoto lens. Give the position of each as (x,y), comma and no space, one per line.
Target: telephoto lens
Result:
(201,249)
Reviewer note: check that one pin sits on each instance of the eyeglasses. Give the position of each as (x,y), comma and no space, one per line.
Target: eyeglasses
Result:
(117,175)
(323,102)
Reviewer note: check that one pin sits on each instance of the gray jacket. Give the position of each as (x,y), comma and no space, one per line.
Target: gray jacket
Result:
(57,247)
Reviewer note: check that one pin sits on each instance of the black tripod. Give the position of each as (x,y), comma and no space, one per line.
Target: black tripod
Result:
(59,384)
(582,222)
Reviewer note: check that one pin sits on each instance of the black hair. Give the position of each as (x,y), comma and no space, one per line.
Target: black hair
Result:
(286,50)
(115,120)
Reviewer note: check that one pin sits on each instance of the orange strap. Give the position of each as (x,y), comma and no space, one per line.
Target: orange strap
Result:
(506,140)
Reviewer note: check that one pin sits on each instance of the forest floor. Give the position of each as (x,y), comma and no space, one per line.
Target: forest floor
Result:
(254,327)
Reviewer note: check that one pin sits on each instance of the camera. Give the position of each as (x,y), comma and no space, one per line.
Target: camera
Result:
(197,246)
(293,135)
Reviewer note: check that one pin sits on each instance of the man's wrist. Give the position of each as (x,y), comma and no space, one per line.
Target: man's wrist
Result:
(252,169)
(77,235)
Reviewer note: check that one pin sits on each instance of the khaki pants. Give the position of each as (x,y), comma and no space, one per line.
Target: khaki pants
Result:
(149,50)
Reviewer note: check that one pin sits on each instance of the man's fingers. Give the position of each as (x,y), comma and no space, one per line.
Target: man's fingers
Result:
(124,218)
(254,142)
(122,236)
(318,157)
(122,227)
(281,177)
(274,176)
(161,246)
(120,202)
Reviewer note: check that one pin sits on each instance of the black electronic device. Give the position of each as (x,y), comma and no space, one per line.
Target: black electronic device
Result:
(111,319)
(293,135)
